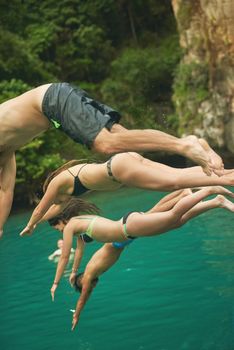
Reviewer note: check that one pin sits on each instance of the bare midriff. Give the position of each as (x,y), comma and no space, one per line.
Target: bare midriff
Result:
(95,177)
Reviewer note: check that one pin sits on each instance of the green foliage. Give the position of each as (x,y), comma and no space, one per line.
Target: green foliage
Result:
(122,52)
(34,161)
(142,77)
(12,88)
(190,89)
(184,14)
(18,61)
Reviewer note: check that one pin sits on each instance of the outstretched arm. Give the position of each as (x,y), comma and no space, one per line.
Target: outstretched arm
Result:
(85,293)
(8,174)
(77,259)
(42,208)
(53,211)
(68,233)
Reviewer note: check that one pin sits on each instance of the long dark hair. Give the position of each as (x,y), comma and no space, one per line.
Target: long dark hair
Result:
(78,284)
(65,166)
(75,207)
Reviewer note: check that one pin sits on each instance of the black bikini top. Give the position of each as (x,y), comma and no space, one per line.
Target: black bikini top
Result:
(79,188)
(85,238)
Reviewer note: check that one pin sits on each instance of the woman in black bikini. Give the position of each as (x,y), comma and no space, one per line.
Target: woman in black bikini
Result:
(131,169)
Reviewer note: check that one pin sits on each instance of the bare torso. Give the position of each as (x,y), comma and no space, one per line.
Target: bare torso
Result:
(21,119)
(93,176)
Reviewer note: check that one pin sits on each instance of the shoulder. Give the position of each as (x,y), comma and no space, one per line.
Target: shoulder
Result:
(59,181)
(75,224)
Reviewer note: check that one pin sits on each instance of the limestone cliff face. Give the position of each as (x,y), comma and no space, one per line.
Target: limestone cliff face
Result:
(204,83)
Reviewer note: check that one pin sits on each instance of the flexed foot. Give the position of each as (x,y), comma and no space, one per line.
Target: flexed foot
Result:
(220,190)
(225,203)
(196,152)
(217,162)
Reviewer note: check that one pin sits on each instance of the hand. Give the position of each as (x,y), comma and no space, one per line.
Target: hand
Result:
(1,233)
(53,289)
(28,230)
(72,278)
(74,321)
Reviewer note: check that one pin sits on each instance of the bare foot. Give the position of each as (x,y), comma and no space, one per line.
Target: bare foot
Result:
(220,190)
(228,179)
(216,160)
(225,203)
(228,171)
(196,152)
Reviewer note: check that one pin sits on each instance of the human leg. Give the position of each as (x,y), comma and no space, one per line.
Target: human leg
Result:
(160,222)
(215,158)
(218,202)
(136,171)
(121,140)
(168,201)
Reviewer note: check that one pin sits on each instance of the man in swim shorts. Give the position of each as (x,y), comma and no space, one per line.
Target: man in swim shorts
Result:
(86,121)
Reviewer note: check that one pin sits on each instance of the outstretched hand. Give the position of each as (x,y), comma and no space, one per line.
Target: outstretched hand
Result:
(27,230)
(72,278)
(53,289)
(75,320)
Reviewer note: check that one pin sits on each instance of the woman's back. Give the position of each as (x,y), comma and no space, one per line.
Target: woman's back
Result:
(94,176)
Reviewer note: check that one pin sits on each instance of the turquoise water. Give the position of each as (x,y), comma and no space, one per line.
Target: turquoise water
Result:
(172,292)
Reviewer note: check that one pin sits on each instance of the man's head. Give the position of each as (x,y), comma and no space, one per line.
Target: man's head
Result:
(60,243)
(78,282)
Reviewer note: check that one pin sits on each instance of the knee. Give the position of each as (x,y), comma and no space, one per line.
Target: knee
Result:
(106,143)
(102,147)
(177,223)
(175,218)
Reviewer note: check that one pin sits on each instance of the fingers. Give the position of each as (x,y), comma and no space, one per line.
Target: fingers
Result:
(52,292)
(74,323)
(26,231)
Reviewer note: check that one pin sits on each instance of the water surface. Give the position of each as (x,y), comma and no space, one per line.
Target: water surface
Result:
(171,292)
